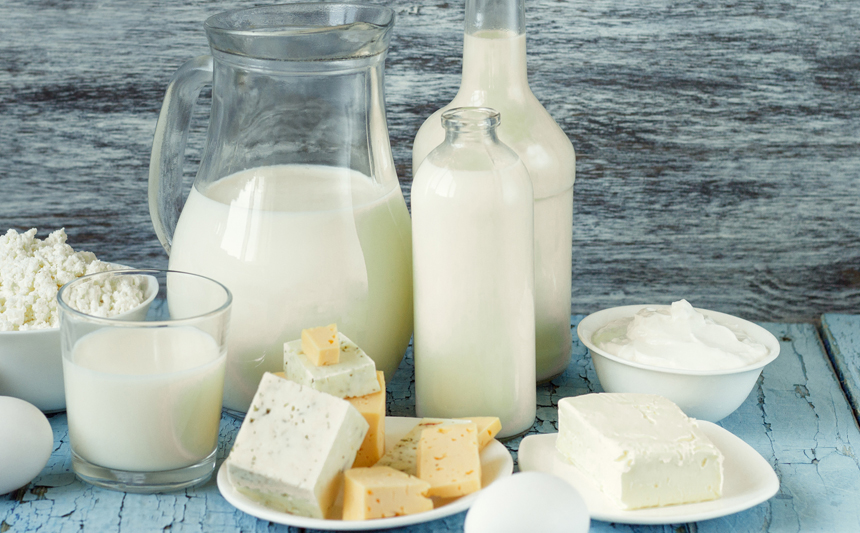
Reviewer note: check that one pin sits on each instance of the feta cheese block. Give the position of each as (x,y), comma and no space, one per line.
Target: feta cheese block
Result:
(293,447)
(641,450)
(372,408)
(382,492)
(321,345)
(449,459)
(354,375)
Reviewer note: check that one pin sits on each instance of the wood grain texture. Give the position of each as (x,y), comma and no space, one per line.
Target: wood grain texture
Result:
(842,337)
(796,417)
(718,143)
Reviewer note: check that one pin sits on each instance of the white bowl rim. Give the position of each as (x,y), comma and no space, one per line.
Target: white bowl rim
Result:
(596,320)
(30,331)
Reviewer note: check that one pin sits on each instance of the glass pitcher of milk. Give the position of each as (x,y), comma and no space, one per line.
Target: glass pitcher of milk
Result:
(296,206)
(494,75)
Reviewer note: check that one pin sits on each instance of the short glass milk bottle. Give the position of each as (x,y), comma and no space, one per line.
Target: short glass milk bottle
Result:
(494,75)
(473,276)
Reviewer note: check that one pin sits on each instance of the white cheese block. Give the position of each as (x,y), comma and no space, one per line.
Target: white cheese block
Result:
(293,447)
(354,375)
(641,450)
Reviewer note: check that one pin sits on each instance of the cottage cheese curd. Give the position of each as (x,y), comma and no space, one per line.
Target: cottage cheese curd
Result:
(33,270)
(678,337)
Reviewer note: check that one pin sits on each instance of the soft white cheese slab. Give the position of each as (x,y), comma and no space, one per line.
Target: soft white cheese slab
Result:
(354,375)
(293,447)
(641,450)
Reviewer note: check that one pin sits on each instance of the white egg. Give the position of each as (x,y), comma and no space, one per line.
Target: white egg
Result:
(26,442)
(528,501)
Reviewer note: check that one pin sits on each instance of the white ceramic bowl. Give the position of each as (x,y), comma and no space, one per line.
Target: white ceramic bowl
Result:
(31,363)
(706,395)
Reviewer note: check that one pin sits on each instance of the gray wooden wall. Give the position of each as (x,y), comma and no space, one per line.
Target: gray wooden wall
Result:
(718,143)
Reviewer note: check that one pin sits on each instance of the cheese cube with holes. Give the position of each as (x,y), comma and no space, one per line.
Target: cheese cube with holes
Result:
(488,428)
(403,455)
(293,447)
(321,345)
(382,492)
(641,450)
(372,408)
(449,459)
(354,374)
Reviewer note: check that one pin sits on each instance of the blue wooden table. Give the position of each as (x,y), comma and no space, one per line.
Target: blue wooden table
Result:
(801,418)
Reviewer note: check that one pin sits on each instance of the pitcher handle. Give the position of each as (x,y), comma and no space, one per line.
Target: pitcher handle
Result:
(168,147)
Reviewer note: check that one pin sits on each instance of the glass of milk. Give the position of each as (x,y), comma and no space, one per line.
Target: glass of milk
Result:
(144,388)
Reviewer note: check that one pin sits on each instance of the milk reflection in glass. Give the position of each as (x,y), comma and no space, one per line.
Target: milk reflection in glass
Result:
(141,399)
(300,246)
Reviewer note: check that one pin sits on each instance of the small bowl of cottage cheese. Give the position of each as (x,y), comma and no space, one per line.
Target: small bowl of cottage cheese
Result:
(31,274)
(704,361)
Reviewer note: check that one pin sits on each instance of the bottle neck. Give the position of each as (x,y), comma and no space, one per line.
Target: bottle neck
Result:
(459,138)
(470,124)
(494,47)
(490,15)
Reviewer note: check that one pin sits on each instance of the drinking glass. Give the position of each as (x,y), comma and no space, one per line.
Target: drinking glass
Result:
(144,388)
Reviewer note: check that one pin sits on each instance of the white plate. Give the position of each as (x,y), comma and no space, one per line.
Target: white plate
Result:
(496,463)
(748,480)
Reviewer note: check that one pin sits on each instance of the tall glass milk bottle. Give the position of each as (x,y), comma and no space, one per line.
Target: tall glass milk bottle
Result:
(494,75)
(473,277)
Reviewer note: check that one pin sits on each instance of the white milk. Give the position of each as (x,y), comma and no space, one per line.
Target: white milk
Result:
(474,304)
(301,246)
(494,75)
(144,399)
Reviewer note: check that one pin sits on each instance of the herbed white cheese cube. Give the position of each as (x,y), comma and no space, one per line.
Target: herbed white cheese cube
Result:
(641,450)
(293,447)
(354,375)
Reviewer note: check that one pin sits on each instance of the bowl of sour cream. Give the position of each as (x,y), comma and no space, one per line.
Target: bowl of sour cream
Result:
(704,361)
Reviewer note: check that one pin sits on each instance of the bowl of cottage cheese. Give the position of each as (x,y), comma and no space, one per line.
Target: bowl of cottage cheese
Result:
(32,270)
(704,361)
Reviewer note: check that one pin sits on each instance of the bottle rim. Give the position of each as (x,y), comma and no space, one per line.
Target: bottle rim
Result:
(463,119)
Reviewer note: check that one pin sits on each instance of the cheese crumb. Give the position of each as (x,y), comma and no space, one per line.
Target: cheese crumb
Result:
(33,270)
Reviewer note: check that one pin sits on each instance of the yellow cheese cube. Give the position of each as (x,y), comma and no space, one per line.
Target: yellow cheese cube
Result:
(321,345)
(372,408)
(449,459)
(488,428)
(403,456)
(381,492)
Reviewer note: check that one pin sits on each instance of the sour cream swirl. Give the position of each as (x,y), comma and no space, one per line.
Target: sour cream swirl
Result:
(679,337)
